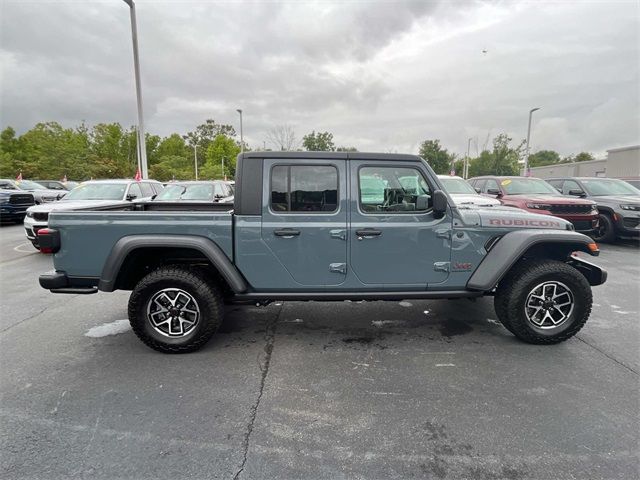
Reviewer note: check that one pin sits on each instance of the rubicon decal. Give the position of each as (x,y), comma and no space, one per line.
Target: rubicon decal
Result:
(518,222)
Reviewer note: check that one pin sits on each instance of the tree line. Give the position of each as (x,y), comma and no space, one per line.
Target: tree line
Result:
(107,150)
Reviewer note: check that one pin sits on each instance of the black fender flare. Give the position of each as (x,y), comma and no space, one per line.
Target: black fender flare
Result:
(207,247)
(513,245)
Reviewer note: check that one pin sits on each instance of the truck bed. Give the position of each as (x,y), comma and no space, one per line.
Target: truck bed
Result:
(87,237)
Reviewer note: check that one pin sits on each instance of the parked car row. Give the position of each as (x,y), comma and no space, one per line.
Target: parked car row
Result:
(603,208)
(119,195)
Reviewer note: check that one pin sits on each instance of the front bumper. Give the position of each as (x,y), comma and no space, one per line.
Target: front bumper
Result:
(31,228)
(13,212)
(627,224)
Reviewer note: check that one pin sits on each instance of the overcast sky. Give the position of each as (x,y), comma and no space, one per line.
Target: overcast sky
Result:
(379,75)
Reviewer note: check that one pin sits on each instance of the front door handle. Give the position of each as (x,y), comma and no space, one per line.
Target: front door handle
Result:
(286,233)
(367,233)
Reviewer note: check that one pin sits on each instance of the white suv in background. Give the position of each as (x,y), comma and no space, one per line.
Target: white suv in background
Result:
(463,193)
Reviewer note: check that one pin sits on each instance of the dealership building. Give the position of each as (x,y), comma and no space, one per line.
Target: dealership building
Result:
(621,162)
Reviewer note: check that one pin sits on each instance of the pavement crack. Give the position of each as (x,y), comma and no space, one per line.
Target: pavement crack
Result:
(30,317)
(269,336)
(609,356)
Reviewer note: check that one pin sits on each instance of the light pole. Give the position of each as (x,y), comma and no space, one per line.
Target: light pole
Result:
(526,156)
(223,176)
(465,170)
(195,158)
(142,148)
(239,110)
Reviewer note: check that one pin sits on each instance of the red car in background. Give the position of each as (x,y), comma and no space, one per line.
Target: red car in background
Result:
(537,196)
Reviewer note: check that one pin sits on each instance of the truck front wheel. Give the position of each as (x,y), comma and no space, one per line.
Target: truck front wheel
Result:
(544,302)
(175,310)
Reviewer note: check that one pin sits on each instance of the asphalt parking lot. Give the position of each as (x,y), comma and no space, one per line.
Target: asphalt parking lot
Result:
(419,389)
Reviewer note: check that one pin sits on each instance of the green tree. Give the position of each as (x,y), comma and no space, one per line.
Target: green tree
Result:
(9,149)
(222,147)
(436,156)
(346,149)
(501,160)
(318,142)
(204,134)
(583,157)
(544,157)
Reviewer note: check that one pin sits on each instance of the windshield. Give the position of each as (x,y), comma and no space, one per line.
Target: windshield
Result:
(457,185)
(523,186)
(97,191)
(187,192)
(609,187)
(29,185)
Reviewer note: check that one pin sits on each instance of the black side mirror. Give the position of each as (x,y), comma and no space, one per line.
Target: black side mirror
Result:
(494,191)
(440,204)
(576,193)
(477,190)
(131,196)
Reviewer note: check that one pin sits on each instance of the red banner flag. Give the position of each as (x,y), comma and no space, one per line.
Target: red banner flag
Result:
(138,176)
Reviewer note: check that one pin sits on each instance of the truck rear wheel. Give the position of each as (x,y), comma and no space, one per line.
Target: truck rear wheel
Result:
(544,302)
(175,310)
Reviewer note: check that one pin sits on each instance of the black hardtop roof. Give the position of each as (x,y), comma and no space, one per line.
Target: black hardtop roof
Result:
(331,155)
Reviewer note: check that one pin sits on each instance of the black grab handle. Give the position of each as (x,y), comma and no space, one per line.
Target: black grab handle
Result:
(287,232)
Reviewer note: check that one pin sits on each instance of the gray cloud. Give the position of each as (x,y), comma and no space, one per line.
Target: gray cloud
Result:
(379,75)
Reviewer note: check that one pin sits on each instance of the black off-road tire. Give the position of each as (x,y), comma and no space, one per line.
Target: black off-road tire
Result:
(514,289)
(606,232)
(209,302)
(499,305)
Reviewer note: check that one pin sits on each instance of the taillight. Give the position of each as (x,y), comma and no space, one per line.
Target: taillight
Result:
(48,240)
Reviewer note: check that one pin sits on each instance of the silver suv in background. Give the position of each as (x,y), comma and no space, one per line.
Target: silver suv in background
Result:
(94,194)
(40,193)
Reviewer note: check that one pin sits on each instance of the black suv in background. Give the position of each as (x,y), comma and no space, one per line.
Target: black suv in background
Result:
(14,204)
(618,204)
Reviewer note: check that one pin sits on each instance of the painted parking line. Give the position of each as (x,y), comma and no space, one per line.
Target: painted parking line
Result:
(20,247)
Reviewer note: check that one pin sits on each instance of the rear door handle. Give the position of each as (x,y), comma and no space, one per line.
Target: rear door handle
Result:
(286,233)
(367,233)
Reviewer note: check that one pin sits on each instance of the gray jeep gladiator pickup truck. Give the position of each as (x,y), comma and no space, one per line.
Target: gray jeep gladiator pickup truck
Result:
(323,226)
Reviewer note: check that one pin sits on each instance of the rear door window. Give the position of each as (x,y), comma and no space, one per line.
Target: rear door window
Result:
(570,185)
(479,185)
(134,189)
(147,191)
(557,184)
(304,188)
(491,185)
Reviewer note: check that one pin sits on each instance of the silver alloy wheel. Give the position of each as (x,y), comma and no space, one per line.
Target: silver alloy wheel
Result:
(172,312)
(549,305)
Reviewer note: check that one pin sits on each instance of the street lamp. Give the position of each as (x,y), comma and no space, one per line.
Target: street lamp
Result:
(526,157)
(239,110)
(195,158)
(465,169)
(142,148)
